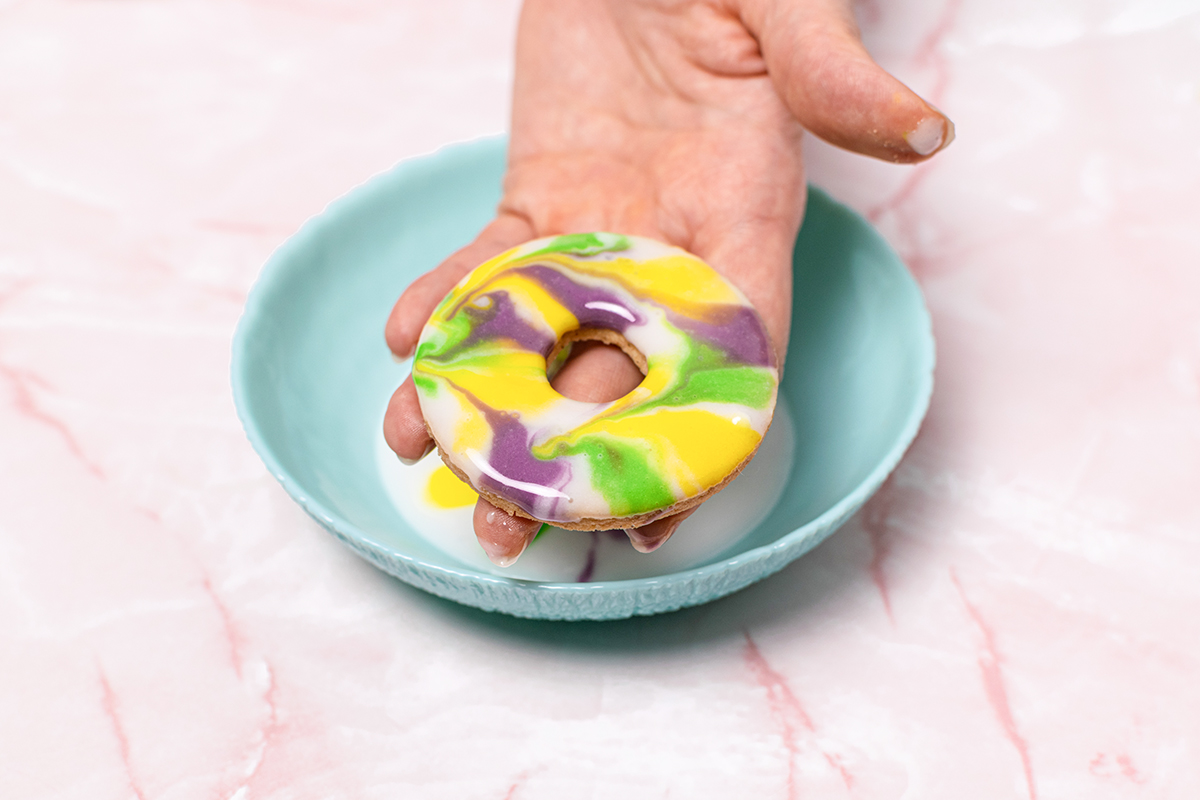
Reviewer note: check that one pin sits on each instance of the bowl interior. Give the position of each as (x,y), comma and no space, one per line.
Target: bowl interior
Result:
(312,375)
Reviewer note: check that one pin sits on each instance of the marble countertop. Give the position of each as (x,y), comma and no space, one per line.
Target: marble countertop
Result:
(1014,615)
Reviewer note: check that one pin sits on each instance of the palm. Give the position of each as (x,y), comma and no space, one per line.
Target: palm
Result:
(662,124)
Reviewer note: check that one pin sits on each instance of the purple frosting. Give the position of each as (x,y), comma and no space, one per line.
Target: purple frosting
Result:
(500,320)
(511,450)
(736,330)
(592,306)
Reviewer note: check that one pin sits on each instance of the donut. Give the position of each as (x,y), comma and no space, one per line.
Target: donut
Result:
(485,359)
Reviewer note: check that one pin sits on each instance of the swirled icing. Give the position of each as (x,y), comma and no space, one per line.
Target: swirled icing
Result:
(701,411)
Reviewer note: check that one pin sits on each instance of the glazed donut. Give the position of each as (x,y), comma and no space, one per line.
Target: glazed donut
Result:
(486,357)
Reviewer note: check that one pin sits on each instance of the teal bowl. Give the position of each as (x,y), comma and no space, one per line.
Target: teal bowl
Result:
(311,377)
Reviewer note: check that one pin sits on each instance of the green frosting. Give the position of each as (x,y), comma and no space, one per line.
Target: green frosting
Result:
(623,475)
(426,385)
(748,386)
(708,377)
(445,337)
(620,470)
(584,244)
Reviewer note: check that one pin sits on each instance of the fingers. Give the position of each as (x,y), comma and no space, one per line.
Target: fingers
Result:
(404,427)
(412,310)
(502,536)
(833,87)
(649,538)
(596,373)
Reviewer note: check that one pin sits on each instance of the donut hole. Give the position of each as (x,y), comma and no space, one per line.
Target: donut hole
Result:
(595,366)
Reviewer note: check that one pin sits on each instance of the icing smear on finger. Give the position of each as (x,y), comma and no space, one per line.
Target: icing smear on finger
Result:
(706,400)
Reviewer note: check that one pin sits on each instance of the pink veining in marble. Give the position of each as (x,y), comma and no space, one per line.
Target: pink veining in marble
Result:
(993,684)
(1012,616)
(789,715)
(23,384)
(109,704)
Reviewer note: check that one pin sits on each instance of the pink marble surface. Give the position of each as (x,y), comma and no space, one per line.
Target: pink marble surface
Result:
(1015,615)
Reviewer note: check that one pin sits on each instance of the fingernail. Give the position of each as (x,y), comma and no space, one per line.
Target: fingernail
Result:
(497,553)
(498,556)
(647,539)
(501,558)
(930,135)
(408,462)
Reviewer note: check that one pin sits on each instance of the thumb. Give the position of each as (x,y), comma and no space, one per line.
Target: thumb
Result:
(832,86)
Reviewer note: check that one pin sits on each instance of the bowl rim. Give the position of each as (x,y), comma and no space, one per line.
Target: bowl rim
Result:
(275,270)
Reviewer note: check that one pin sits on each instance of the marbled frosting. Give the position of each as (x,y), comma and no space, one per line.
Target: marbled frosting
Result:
(700,412)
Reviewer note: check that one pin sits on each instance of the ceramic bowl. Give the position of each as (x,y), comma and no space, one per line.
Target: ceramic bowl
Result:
(311,378)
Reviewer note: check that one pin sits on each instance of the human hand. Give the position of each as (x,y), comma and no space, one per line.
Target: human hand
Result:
(679,120)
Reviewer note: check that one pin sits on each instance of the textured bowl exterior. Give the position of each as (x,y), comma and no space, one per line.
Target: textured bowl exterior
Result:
(311,378)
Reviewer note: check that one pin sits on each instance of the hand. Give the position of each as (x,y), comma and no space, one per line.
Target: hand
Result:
(680,120)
